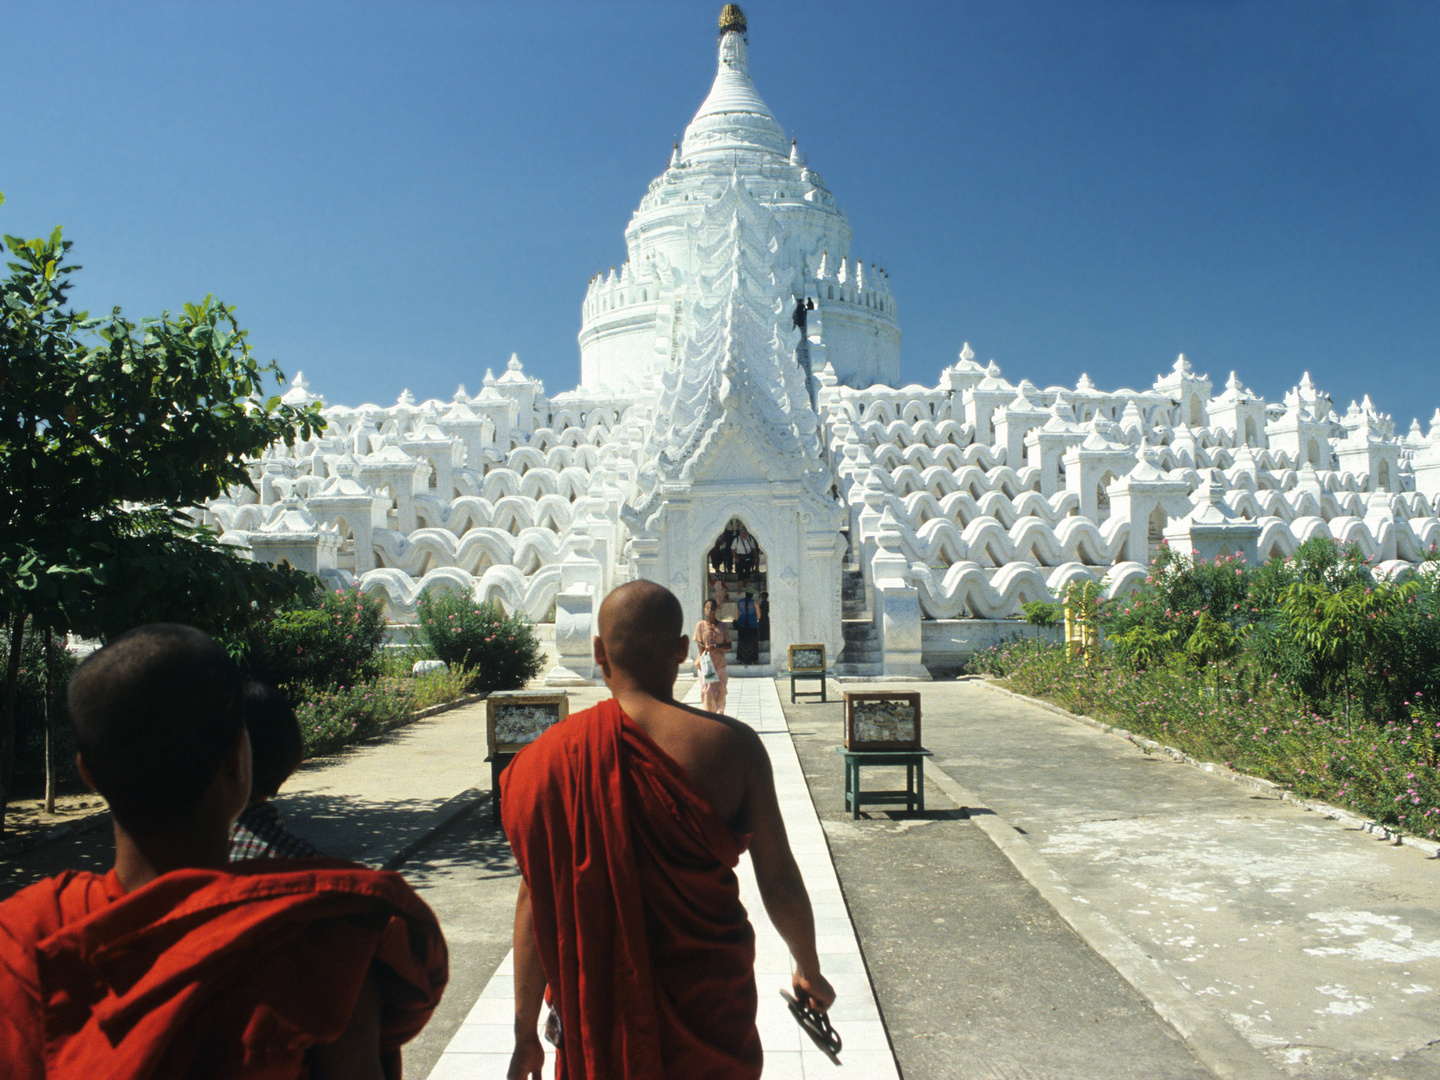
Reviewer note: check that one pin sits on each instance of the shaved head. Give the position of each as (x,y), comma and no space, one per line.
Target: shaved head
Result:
(640,625)
(154,713)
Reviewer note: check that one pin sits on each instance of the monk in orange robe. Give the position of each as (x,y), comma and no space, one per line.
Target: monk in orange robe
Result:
(176,964)
(627,821)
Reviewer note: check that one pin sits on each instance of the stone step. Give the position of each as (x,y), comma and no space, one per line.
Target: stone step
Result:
(859,671)
(852,593)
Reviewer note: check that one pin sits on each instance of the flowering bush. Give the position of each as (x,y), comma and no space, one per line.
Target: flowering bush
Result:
(501,649)
(1164,613)
(332,642)
(332,718)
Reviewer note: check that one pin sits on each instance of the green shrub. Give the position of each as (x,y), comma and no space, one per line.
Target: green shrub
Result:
(439,687)
(332,642)
(501,649)
(1040,613)
(332,718)
(1162,615)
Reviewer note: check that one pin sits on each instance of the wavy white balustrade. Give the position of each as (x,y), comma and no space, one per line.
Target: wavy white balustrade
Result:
(960,507)
(967,588)
(534,594)
(510,513)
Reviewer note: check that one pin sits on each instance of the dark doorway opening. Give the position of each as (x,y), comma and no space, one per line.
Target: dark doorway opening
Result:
(736,578)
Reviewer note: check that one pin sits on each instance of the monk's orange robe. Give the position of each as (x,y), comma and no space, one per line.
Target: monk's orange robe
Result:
(213,973)
(648,954)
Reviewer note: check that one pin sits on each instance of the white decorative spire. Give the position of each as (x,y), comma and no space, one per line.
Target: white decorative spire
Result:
(733,117)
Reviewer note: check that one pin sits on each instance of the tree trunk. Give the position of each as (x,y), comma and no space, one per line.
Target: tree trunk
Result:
(49,725)
(1348,732)
(7,716)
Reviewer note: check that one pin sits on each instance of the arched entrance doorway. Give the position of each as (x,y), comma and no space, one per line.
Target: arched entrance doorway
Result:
(737,577)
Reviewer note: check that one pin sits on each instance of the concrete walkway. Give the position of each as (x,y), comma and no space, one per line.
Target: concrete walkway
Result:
(1277,941)
(1094,905)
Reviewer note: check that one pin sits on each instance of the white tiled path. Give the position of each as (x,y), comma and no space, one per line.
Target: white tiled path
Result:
(481,1048)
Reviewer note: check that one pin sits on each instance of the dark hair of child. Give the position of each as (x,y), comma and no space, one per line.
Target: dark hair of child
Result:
(276,745)
(154,713)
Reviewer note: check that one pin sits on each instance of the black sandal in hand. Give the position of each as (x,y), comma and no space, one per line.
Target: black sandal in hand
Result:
(815,1024)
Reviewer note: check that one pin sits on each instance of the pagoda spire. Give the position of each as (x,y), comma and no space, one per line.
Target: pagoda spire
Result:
(733,117)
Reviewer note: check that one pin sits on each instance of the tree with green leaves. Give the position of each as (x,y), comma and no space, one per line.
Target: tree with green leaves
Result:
(112,433)
(1339,629)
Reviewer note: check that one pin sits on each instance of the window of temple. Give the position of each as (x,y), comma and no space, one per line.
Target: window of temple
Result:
(1102,497)
(1155,532)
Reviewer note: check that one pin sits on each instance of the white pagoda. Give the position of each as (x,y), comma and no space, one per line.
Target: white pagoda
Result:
(738,372)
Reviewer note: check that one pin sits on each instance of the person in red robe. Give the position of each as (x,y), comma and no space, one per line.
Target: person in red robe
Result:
(627,821)
(175,964)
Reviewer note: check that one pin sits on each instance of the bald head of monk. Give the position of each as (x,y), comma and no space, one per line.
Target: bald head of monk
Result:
(640,637)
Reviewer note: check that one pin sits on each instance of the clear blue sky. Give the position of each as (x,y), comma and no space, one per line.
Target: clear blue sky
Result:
(401,195)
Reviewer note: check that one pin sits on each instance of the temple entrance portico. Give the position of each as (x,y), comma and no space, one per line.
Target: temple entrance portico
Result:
(798,548)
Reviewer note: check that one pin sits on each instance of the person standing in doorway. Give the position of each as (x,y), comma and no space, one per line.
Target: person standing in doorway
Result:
(746,550)
(747,627)
(712,638)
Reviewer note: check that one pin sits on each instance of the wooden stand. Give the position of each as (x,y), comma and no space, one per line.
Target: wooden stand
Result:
(807,661)
(818,676)
(497,761)
(914,761)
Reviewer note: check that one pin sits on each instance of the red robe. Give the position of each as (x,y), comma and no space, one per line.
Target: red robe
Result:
(647,950)
(213,973)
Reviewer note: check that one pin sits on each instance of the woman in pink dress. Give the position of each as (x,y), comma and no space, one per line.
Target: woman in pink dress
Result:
(713,637)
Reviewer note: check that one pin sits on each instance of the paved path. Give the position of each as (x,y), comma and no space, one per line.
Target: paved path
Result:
(1091,890)
(1235,913)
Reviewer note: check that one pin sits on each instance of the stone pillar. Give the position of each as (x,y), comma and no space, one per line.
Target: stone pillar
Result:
(897,606)
(343,498)
(294,537)
(576,606)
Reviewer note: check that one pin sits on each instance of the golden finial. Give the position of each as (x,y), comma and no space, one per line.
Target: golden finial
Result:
(732,18)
